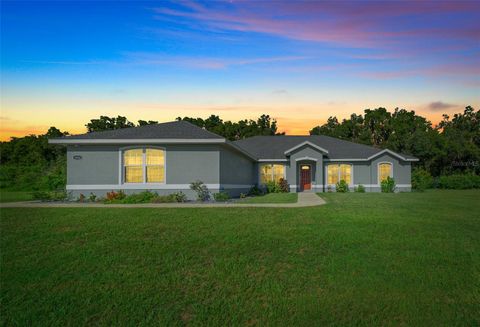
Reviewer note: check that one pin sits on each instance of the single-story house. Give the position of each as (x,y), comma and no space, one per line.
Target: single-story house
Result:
(167,157)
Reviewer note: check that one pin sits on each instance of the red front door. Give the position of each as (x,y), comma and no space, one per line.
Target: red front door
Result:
(305,177)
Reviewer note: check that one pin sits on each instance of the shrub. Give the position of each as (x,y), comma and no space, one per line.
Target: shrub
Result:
(221,196)
(164,198)
(342,186)
(142,197)
(459,181)
(254,191)
(421,179)
(359,189)
(120,195)
(273,187)
(52,195)
(81,198)
(243,195)
(180,197)
(203,194)
(283,185)
(41,195)
(388,185)
(92,197)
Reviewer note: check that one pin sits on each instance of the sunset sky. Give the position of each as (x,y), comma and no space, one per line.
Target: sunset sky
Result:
(63,63)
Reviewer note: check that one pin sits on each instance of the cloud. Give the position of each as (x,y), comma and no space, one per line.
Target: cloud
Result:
(439,106)
(279,91)
(203,62)
(351,23)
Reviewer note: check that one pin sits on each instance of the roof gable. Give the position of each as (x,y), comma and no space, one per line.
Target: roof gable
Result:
(305,143)
(279,147)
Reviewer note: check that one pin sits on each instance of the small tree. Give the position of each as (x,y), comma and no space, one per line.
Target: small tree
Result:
(283,185)
(203,194)
(388,185)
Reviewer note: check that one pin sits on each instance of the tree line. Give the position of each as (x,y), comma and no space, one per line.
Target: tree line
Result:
(453,146)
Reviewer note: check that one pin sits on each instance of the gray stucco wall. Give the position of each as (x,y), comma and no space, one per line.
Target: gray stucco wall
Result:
(97,165)
(188,163)
(236,168)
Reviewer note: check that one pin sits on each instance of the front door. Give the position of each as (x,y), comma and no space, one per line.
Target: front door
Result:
(305,177)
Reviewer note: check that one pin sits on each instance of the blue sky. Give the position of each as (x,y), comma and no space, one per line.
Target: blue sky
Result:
(63,63)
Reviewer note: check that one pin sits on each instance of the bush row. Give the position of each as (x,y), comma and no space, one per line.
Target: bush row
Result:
(421,180)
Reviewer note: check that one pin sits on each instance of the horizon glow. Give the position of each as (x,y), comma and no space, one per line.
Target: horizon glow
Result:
(64,63)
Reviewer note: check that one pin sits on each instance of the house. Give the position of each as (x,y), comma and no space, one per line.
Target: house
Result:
(167,157)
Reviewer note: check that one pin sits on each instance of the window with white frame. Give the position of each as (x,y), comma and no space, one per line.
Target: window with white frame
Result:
(271,173)
(384,171)
(144,165)
(336,173)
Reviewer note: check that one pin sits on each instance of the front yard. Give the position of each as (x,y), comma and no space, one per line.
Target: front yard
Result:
(361,259)
(272,198)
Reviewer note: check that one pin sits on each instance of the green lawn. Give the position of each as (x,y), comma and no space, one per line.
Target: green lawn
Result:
(272,198)
(362,259)
(15,196)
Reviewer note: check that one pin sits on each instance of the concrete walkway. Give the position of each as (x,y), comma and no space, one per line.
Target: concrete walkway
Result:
(304,200)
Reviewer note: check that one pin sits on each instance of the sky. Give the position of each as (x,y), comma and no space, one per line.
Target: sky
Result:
(64,62)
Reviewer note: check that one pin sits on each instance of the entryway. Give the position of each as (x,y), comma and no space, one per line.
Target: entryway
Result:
(305,177)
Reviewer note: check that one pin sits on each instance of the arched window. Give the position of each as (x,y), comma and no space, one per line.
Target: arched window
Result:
(144,165)
(336,173)
(384,171)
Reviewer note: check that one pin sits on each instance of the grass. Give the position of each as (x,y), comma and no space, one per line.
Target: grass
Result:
(15,196)
(361,259)
(272,198)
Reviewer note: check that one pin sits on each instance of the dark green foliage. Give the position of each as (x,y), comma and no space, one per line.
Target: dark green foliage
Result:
(142,197)
(30,163)
(92,197)
(254,191)
(51,195)
(105,123)
(452,146)
(180,196)
(272,187)
(283,185)
(342,187)
(459,181)
(388,185)
(221,196)
(421,179)
(145,122)
(277,187)
(359,189)
(203,194)
(232,131)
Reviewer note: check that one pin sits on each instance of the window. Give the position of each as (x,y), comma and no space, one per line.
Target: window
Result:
(144,165)
(269,173)
(384,171)
(336,173)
